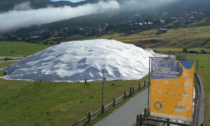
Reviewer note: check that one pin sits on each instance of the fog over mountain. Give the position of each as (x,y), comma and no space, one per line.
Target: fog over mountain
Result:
(23,15)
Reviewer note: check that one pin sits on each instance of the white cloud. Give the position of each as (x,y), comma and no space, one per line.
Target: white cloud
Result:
(22,6)
(18,19)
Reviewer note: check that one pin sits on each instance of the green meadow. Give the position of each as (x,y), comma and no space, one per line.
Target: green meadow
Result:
(20,48)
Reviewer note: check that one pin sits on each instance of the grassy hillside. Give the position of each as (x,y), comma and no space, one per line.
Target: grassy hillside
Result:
(174,38)
(20,48)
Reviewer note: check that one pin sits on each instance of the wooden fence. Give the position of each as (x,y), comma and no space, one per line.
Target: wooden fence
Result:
(91,116)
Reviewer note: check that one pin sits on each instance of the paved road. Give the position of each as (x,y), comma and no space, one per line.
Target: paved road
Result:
(13,57)
(172,56)
(8,61)
(126,114)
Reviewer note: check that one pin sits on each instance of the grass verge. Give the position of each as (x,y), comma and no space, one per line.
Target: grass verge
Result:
(204,71)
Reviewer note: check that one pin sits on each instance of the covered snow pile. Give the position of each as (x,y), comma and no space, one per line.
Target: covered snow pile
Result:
(76,61)
(155,54)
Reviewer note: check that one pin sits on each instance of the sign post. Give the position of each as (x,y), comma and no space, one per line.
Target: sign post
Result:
(103,80)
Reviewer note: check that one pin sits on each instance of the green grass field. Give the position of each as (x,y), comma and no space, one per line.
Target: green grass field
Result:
(53,103)
(20,48)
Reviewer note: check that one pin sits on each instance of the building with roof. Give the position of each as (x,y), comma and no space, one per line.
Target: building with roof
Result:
(162,30)
(35,37)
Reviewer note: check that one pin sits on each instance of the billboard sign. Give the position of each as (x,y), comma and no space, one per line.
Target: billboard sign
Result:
(171,94)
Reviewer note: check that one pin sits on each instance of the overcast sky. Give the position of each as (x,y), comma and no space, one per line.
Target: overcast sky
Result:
(69,0)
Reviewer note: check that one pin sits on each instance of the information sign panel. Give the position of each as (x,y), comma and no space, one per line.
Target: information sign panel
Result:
(171,94)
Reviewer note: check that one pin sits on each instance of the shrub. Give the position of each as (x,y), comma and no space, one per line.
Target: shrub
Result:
(180,56)
(203,51)
(192,51)
(184,50)
(7,58)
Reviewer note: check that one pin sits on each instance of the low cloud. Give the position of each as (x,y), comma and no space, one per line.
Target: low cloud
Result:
(22,6)
(23,16)
(145,4)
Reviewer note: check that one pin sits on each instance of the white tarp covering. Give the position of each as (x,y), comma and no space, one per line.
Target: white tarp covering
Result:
(76,61)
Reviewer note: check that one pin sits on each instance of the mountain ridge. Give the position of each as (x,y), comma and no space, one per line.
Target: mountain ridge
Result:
(21,1)
(6,5)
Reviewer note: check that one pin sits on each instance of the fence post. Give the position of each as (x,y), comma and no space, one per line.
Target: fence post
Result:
(145,112)
(139,86)
(137,120)
(144,82)
(130,91)
(167,122)
(85,81)
(102,109)
(140,120)
(89,116)
(124,95)
(133,90)
(113,101)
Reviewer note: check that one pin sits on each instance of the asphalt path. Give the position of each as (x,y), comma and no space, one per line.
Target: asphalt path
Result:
(14,57)
(126,114)
(8,61)
(172,56)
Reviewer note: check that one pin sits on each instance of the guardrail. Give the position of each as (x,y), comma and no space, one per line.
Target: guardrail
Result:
(91,116)
(200,102)
(139,117)
(175,52)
